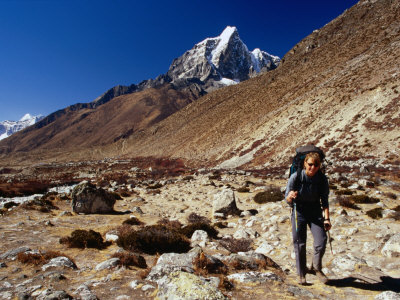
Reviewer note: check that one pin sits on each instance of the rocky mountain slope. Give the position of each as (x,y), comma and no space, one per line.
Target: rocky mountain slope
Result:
(8,128)
(337,88)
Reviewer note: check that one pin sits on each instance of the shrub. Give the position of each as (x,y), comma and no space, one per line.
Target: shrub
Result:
(243,189)
(10,204)
(346,202)
(236,245)
(132,221)
(391,195)
(39,204)
(155,186)
(221,224)
(154,239)
(85,239)
(397,208)
(188,230)
(375,213)
(131,259)
(40,258)
(195,218)
(175,224)
(273,194)
(363,199)
(344,192)
(204,265)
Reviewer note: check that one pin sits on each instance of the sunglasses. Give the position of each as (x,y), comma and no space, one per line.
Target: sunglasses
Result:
(313,164)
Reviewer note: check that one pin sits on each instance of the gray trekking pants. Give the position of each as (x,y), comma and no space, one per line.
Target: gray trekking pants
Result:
(299,234)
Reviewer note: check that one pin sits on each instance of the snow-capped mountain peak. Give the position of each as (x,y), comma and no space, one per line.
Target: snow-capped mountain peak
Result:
(8,128)
(221,60)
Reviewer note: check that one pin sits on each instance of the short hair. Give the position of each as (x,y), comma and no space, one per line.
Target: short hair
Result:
(314,156)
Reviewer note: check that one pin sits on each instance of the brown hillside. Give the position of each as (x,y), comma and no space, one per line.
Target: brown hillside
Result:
(338,88)
(117,119)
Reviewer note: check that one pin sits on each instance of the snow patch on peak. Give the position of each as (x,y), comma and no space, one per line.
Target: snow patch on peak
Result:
(26,117)
(8,128)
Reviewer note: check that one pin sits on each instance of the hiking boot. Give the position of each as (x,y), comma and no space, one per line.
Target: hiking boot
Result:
(302,280)
(321,276)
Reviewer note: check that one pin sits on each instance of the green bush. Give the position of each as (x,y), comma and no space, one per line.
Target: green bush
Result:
(85,239)
(273,194)
(153,239)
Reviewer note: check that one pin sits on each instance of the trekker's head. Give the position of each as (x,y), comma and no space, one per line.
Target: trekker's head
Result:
(312,162)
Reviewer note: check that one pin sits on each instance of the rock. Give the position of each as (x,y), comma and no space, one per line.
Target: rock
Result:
(147,287)
(388,295)
(342,220)
(265,248)
(347,263)
(392,247)
(60,261)
(252,276)
(199,237)
(11,254)
(247,233)
(108,264)
(300,293)
(225,203)
(183,286)
(85,293)
(390,214)
(170,262)
(111,237)
(370,247)
(88,199)
(50,294)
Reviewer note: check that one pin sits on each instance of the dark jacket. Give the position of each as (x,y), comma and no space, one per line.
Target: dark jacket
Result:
(313,192)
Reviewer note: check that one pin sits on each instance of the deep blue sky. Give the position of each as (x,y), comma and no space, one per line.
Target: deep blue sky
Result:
(54,53)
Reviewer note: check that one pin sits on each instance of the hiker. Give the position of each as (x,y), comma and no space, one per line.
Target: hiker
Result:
(306,195)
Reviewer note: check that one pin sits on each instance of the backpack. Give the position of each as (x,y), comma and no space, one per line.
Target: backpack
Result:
(298,159)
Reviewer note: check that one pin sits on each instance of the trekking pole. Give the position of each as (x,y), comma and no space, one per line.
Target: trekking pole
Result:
(330,241)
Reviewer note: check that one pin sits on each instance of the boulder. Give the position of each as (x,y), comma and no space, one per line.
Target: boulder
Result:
(254,277)
(108,264)
(199,237)
(60,261)
(87,199)
(171,262)
(392,246)
(225,203)
(182,286)
(387,295)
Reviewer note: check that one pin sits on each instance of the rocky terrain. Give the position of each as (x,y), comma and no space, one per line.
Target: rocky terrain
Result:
(365,241)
